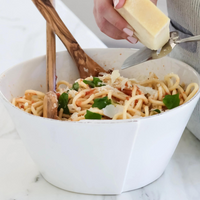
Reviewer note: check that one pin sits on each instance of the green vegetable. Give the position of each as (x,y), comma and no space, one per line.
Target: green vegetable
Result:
(91,115)
(158,111)
(101,102)
(75,86)
(62,103)
(171,101)
(96,82)
(90,83)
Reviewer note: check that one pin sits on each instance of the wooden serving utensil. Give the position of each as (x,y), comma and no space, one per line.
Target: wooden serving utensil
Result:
(50,105)
(86,66)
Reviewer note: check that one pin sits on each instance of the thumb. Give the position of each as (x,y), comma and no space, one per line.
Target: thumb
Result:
(118,3)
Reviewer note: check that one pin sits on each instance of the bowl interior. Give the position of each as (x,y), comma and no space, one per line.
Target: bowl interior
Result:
(32,74)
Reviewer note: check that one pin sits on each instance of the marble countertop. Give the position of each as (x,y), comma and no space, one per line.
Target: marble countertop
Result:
(22,38)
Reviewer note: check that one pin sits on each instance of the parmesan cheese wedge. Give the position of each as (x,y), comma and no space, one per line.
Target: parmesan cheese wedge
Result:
(150,24)
(112,110)
(146,90)
(115,74)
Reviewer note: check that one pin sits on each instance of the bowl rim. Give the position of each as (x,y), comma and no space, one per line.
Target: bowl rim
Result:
(98,121)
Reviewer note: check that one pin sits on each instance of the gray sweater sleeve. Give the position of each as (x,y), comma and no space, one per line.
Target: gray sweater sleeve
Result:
(185,18)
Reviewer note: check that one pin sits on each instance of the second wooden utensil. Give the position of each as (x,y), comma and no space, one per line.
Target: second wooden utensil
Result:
(50,104)
(87,66)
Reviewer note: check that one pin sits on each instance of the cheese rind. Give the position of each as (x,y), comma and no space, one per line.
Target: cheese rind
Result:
(150,24)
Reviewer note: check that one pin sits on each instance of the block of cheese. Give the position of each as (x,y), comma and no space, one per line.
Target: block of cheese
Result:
(150,24)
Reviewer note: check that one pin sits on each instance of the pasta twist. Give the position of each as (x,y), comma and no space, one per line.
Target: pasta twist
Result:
(131,98)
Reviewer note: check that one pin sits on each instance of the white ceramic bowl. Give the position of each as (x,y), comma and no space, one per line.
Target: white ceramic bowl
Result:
(98,157)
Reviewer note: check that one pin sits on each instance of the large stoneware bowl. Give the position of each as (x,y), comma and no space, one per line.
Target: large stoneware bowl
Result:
(98,157)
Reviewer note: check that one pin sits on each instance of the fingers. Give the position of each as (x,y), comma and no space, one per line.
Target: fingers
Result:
(110,22)
(116,20)
(118,3)
(111,30)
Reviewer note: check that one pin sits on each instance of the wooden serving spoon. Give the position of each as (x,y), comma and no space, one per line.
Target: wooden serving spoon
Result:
(86,66)
(50,104)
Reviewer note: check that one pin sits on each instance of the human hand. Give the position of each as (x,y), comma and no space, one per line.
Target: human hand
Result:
(110,21)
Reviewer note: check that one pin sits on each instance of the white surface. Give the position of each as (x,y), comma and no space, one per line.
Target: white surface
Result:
(23,31)
(85,12)
(19,176)
(108,157)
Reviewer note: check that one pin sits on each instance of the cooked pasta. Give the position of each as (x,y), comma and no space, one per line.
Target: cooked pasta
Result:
(111,96)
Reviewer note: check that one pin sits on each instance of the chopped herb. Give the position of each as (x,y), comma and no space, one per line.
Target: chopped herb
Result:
(101,102)
(91,115)
(62,103)
(90,83)
(75,86)
(158,111)
(171,101)
(96,82)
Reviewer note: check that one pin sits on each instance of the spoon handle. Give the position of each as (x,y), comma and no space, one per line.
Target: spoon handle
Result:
(50,99)
(86,66)
(51,57)
(189,39)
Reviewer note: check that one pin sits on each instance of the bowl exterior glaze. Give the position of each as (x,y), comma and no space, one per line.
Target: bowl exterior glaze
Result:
(98,157)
